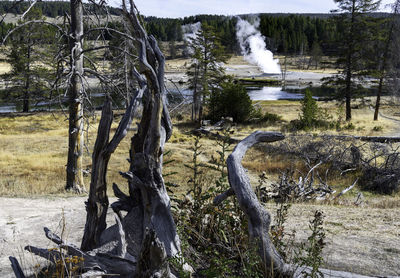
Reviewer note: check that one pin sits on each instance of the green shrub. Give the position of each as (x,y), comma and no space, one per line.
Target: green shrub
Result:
(349,126)
(313,249)
(271,117)
(231,100)
(377,128)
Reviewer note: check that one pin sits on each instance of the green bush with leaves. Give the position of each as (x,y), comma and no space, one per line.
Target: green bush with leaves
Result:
(231,100)
(312,260)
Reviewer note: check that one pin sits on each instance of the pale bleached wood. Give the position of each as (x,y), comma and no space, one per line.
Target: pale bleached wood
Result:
(97,203)
(258,217)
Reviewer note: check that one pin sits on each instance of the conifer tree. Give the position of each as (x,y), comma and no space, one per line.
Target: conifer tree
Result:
(205,72)
(30,61)
(384,50)
(353,17)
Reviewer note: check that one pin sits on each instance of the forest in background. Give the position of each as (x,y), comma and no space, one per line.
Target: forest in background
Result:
(284,33)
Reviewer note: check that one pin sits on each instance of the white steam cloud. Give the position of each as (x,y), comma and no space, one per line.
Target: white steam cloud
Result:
(190,33)
(253,46)
(190,30)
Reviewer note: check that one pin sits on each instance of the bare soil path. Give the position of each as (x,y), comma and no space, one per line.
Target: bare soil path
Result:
(22,221)
(359,239)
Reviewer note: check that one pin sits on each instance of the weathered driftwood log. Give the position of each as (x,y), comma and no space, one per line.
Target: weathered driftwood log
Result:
(259,219)
(377,139)
(95,260)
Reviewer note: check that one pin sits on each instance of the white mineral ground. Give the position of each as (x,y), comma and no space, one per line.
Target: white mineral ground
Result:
(175,71)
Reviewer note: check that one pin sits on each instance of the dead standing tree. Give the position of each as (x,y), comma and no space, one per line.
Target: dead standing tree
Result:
(75,99)
(138,245)
(149,201)
(148,204)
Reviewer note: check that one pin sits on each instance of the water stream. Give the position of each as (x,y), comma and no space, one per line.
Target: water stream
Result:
(256,93)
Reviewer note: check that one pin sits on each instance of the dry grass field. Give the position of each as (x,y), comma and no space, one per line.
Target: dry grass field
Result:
(34,146)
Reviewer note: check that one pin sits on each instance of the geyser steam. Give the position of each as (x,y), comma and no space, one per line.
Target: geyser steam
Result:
(190,33)
(253,46)
(190,30)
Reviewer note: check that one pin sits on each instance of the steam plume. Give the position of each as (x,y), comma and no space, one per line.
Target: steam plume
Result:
(190,30)
(253,46)
(190,33)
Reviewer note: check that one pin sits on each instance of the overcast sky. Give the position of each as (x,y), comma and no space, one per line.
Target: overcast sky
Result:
(182,8)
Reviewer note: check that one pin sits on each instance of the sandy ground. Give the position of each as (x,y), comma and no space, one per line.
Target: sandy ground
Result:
(22,221)
(361,240)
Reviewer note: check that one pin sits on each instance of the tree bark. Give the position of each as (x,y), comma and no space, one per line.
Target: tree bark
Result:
(386,53)
(75,96)
(25,106)
(378,98)
(349,63)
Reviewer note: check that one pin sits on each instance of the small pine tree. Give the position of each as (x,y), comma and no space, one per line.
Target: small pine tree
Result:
(309,110)
(30,58)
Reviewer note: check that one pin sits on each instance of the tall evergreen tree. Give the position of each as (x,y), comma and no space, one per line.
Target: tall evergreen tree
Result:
(30,61)
(205,72)
(353,17)
(384,50)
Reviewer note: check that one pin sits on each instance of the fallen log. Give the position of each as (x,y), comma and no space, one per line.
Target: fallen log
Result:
(258,217)
(377,139)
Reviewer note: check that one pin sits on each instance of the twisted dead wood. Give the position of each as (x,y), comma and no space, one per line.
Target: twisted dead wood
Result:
(259,218)
(140,243)
(97,204)
(16,267)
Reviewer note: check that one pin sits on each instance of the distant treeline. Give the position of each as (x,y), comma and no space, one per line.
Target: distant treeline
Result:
(49,8)
(284,33)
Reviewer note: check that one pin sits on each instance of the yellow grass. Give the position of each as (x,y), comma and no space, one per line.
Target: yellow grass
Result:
(34,150)
(4,68)
(362,118)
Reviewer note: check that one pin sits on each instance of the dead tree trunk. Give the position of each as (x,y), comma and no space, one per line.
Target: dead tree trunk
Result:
(147,189)
(140,243)
(259,219)
(97,203)
(75,98)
